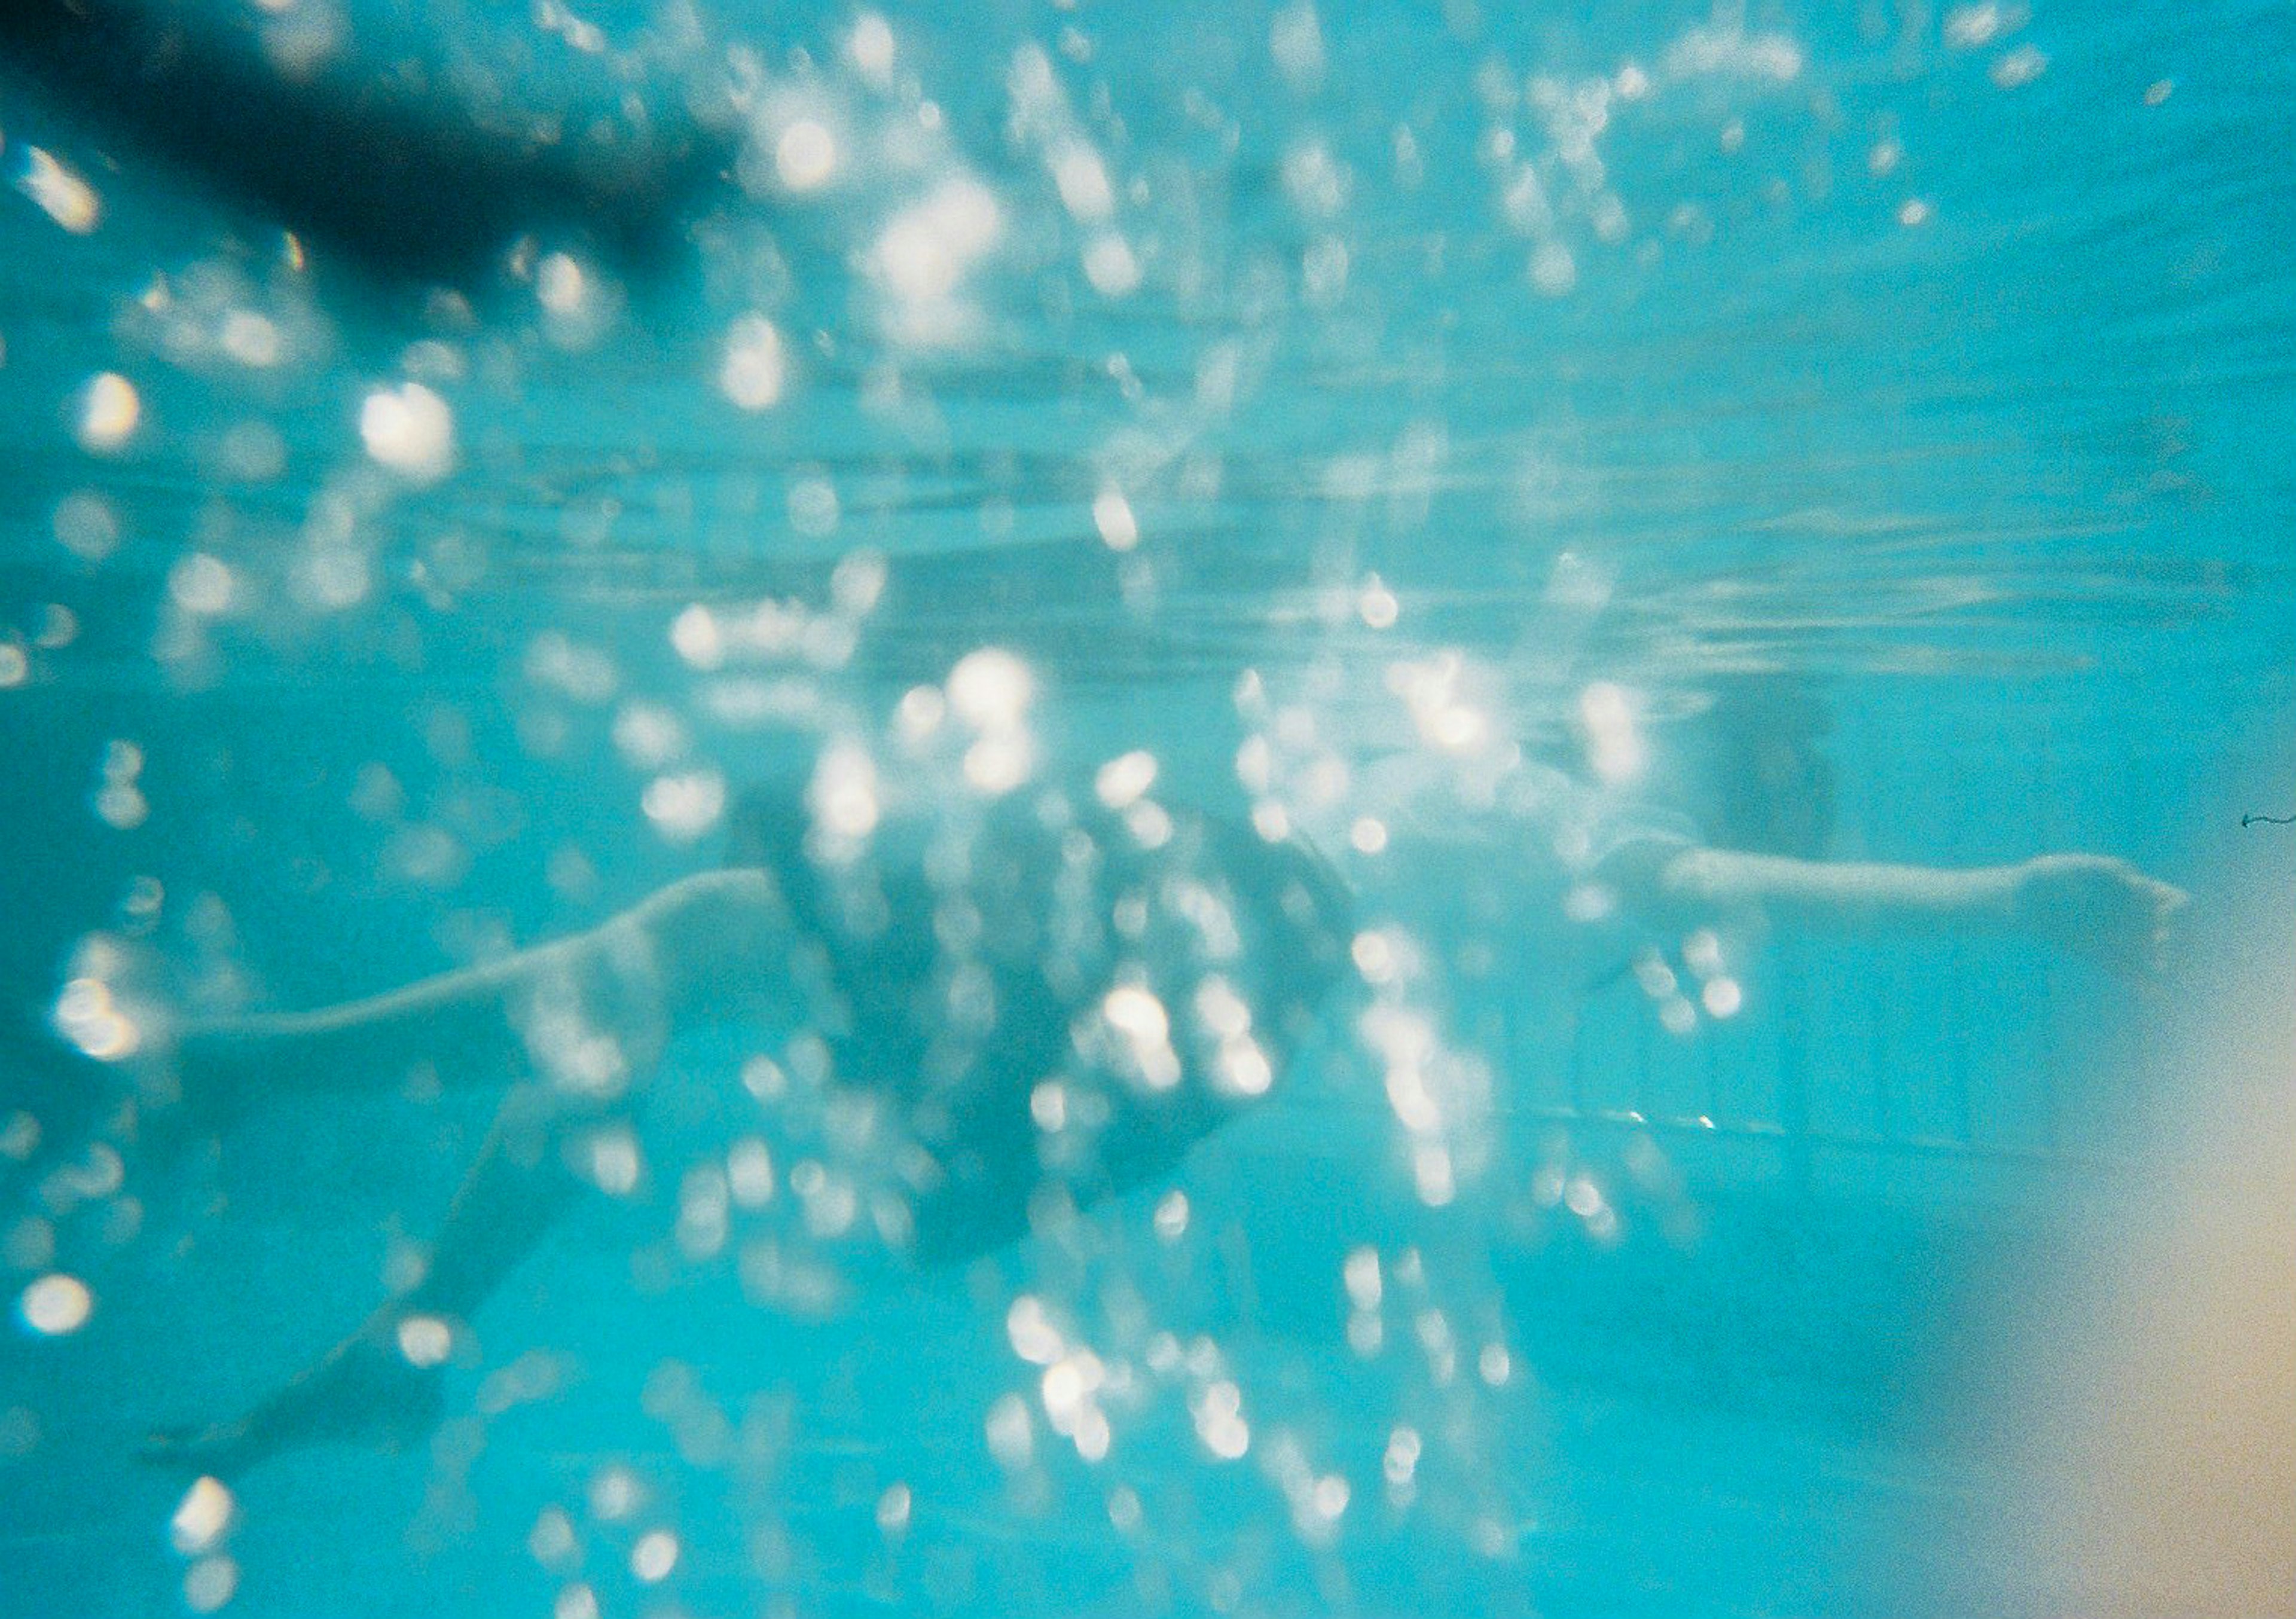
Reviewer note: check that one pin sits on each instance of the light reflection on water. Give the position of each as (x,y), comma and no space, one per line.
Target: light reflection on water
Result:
(1435,435)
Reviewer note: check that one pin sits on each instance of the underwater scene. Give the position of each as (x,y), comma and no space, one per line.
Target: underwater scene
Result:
(1388,807)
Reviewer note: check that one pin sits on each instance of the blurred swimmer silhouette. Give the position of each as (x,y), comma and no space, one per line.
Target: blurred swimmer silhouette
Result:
(946,970)
(1028,1006)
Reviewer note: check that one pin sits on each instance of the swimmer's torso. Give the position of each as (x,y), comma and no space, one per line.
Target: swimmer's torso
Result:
(1045,998)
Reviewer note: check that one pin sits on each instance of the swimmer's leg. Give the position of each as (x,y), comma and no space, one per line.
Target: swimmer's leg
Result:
(702,949)
(711,947)
(381,1384)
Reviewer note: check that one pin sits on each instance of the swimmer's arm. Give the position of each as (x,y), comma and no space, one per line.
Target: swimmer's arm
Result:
(1856,897)
(706,949)
(2091,904)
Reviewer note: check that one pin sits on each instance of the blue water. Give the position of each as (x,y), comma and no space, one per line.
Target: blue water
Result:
(1855,435)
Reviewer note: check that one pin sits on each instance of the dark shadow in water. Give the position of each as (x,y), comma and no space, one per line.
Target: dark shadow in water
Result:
(406,181)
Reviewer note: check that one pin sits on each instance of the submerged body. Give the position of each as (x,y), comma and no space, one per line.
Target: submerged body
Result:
(1049,964)
(1009,1009)
(1014,1010)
